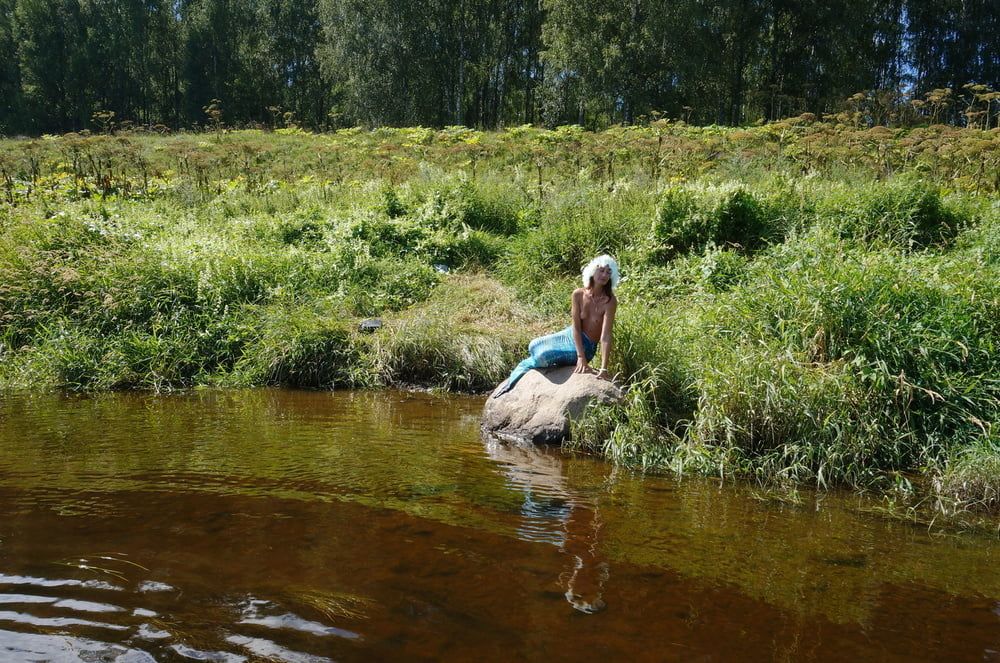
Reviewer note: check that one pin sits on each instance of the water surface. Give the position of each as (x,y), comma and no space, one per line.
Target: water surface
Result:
(357,526)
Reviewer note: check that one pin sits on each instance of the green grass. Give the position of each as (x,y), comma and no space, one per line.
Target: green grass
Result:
(466,336)
(790,312)
(969,481)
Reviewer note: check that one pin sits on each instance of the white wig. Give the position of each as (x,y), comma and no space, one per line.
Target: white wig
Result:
(601,261)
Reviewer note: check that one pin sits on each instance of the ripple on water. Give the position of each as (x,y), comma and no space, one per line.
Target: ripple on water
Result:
(55,622)
(87,606)
(149,586)
(274,652)
(203,655)
(6,579)
(27,598)
(252,616)
(16,646)
(62,645)
(150,632)
(296,623)
(384,514)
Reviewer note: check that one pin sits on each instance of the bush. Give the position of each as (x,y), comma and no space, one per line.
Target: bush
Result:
(467,336)
(166,353)
(463,204)
(905,212)
(982,238)
(308,345)
(971,478)
(819,360)
(764,413)
(424,351)
(628,432)
(375,285)
(573,231)
(774,325)
(386,236)
(460,248)
(689,219)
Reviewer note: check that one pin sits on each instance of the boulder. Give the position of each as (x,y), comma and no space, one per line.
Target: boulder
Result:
(539,407)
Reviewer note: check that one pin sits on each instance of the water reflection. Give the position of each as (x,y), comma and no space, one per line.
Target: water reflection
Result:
(553,513)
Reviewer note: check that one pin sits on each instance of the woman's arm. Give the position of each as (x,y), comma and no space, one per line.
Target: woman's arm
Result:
(582,366)
(609,322)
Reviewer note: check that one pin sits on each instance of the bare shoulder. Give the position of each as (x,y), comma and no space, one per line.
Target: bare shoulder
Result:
(578,294)
(613,303)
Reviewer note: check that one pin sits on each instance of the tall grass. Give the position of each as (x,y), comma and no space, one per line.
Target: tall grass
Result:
(834,356)
(123,294)
(467,336)
(790,310)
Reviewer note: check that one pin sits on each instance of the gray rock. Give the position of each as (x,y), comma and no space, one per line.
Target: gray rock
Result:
(539,407)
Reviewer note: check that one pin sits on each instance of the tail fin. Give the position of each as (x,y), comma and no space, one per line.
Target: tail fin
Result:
(515,375)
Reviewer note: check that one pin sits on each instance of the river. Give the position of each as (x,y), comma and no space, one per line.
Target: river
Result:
(357,526)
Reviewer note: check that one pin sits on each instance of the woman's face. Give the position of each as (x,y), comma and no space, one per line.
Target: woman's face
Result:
(602,275)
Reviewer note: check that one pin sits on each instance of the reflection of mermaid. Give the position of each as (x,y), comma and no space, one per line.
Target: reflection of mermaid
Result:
(553,514)
(584,583)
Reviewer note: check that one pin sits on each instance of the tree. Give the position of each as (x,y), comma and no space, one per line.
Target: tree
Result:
(376,50)
(11,119)
(294,34)
(53,62)
(227,51)
(487,63)
(617,59)
(951,43)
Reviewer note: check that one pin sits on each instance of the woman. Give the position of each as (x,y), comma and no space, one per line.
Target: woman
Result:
(594,308)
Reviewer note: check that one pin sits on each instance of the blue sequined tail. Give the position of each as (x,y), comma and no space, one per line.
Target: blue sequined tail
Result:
(557,349)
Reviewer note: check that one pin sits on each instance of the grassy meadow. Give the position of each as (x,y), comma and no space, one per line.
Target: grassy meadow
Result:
(803,302)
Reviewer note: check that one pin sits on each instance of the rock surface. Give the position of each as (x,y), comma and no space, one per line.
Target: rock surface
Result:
(539,407)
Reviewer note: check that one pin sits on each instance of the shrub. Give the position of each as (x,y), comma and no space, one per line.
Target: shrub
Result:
(905,212)
(971,478)
(384,236)
(166,353)
(824,361)
(764,413)
(424,351)
(409,237)
(982,237)
(376,285)
(892,356)
(468,249)
(464,204)
(628,432)
(468,335)
(574,230)
(690,219)
(391,203)
(304,345)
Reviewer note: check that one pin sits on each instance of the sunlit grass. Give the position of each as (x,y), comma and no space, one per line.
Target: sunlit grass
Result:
(802,303)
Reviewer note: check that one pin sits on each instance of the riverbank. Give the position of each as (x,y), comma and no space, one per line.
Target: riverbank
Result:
(803,303)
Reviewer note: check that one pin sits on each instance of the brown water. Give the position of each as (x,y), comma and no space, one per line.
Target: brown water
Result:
(306,526)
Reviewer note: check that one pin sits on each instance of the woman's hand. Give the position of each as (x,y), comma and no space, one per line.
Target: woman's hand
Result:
(582,366)
(603,374)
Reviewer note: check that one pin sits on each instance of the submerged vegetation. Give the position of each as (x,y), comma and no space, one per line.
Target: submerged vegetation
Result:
(802,302)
